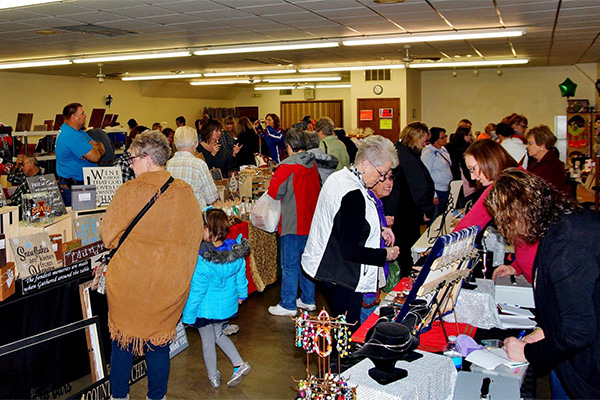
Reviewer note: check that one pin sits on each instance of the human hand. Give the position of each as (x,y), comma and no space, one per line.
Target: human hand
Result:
(515,349)
(392,253)
(436,201)
(389,220)
(502,271)
(236,149)
(240,301)
(388,236)
(535,336)
(215,147)
(425,219)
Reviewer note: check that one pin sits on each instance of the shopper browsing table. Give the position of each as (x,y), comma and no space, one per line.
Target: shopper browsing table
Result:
(148,278)
(566,280)
(343,249)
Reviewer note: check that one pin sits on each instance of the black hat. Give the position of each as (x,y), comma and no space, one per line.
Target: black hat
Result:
(390,341)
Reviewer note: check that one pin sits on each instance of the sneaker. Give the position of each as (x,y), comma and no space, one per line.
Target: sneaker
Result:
(231,329)
(282,312)
(238,375)
(216,381)
(304,306)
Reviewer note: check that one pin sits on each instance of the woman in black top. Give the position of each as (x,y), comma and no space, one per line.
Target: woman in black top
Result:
(214,153)
(248,140)
(566,283)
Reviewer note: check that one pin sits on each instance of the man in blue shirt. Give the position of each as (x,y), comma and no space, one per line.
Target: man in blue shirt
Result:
(75,149)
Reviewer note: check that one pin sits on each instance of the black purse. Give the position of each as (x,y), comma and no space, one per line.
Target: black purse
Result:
(100,272)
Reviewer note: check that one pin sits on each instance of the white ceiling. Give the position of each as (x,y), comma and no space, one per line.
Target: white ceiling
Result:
(559,32)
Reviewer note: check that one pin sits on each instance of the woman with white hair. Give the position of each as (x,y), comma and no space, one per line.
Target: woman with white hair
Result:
(343,250)
(191,169)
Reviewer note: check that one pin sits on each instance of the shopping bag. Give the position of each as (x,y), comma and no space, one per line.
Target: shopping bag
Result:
(266,213)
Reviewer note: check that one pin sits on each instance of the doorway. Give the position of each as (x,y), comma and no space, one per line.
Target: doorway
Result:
(381,115)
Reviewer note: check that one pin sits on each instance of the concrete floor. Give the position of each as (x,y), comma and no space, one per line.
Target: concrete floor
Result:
(265,341)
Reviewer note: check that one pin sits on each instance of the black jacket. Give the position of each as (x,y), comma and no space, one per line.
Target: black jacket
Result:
(567,297)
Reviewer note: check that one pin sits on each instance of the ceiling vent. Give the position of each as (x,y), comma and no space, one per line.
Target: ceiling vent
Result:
(98,30)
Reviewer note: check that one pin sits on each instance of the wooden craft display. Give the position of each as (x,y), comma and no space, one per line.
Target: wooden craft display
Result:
(440,279)
(48,183)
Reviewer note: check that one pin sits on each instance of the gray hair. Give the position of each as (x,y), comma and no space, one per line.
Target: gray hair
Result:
(186,138)
(312,140)
(295,139)
(154,145)
(325,125)
(377,150)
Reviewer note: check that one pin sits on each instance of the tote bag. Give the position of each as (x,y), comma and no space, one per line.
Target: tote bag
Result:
(266,213)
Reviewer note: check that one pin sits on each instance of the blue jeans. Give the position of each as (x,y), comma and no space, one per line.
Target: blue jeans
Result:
(556,389)
(157,365)
(292,247)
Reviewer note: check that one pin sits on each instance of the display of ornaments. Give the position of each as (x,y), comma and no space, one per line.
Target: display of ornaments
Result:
(36,208)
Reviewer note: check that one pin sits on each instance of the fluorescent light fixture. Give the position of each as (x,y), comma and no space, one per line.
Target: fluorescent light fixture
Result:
(283,87)
(333,86)
(459,64)
(232,82)
(305,79)
(259,72)
(361,68)
(266,47)
(30,64)
(438,36)
(131,57)
(160,77)
(23,3)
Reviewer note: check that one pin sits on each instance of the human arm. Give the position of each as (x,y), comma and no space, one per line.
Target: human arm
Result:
(241,282)
(353,227)
(96,153)
(277,186)
(478,214)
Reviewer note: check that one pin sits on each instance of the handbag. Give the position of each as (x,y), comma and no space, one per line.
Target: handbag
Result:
(99,281)
(266,213)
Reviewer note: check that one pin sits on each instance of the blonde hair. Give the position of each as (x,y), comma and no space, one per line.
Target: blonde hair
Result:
(412,134)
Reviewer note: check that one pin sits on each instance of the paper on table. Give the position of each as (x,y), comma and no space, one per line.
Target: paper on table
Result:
(513,310)
(516,321)
(490,358)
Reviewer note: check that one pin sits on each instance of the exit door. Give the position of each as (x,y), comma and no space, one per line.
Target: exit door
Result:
(381,115)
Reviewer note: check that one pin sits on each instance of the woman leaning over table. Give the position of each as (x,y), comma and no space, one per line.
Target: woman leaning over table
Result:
(566,281)
(148,279)
(485,160)
(343,250)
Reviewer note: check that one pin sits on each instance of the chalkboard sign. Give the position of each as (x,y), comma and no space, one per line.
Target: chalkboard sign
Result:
(107,181)
(216,174)
(33,254)
(47,183)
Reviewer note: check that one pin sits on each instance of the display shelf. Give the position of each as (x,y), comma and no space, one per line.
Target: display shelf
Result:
(62,225)
(9,226)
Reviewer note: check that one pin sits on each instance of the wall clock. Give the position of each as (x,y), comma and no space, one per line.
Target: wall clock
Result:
(377,89)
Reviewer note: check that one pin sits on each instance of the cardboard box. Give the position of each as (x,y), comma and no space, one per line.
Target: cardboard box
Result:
(7,280)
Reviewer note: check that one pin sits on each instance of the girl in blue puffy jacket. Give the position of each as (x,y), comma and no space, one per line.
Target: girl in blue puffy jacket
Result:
(219,285)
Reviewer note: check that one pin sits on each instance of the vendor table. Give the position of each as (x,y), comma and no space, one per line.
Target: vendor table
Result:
(430,377)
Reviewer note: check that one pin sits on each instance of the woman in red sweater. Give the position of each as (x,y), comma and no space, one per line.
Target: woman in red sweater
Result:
(540,146)
(485,160)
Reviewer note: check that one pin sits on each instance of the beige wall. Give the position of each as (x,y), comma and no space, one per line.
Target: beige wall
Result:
(532,91)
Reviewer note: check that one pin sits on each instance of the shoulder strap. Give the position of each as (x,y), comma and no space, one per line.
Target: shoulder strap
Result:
(140,215)
(325,145)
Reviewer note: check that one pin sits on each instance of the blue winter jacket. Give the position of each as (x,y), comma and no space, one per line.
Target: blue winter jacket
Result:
(218,282)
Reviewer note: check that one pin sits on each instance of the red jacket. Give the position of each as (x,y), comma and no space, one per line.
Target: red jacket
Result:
(296,182)
(552,170)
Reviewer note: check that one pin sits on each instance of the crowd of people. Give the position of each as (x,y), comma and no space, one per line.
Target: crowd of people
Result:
(347,212)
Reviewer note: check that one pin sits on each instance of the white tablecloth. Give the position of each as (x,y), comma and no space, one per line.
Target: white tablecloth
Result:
(477,307)
(430,377)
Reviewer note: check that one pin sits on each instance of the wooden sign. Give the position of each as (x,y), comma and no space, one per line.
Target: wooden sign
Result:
(107,181)
(73,244)
(95,251)
(33,254)
(96,118)
(24,121)
(87,228)
(57,239)
(59,119)
(2,250)
(47,183)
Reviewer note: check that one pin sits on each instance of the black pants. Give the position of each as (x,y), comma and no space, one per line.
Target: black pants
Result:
(342,300)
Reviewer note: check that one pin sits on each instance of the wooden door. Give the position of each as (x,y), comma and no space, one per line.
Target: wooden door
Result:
(250,112)
(381,115)
(293,111)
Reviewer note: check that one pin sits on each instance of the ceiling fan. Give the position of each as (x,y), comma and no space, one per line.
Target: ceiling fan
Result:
(408,58)
(101,76)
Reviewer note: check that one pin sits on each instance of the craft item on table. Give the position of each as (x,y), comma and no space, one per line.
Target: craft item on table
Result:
(3,200)
(56,240)
(47,183)
(36,208)
(33,254)
(2,250)
(440,279)
(318,335)
(106,179)
(7,280)
(70,245)
(83,197)
(477,307)
(87,228)
(95,251)
(491,357)
(389,343)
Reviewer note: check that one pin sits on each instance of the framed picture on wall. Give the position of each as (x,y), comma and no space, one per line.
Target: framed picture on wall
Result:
(578,105)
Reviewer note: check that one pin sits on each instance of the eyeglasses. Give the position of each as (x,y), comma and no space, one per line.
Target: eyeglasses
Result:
(132,158)
(382,175)
(390,177)
(523,126)
(472,169)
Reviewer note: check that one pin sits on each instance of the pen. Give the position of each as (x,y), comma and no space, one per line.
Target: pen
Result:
(513,280)
(522,334)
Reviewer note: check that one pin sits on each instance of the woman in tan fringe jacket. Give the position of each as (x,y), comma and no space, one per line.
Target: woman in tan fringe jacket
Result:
(148,279)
